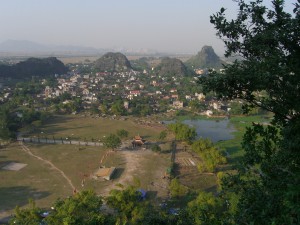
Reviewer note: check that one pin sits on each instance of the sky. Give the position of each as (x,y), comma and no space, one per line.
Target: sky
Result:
(180,26)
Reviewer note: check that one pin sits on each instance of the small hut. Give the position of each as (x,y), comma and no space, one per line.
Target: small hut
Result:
(105,173)
(138,141)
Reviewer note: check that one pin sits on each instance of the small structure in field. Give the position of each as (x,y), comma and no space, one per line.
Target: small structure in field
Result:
(105,173)
(138,141)
(13,166)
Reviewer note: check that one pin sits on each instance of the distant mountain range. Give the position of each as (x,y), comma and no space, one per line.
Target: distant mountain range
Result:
(117,62)
(33,48)
(19,46)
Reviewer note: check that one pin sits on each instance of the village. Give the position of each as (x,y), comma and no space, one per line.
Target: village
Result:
(137,93)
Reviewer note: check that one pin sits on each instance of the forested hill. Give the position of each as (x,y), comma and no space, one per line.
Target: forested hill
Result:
(33,67)
(113,62)
(206,58)
(172,66)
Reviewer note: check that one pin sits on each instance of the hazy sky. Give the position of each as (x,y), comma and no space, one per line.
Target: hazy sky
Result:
(162,25)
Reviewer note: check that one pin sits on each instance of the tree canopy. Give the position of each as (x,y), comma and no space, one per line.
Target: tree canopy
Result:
(183,132)
(112,141)
(268,76)
(210,155)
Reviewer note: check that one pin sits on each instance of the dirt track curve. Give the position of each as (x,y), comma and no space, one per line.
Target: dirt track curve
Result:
(27,150)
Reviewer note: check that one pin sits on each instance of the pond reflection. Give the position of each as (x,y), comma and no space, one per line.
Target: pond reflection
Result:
(216,130)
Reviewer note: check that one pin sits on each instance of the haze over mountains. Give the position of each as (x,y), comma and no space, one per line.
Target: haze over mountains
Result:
(23,46)
(114,62)
(33,48)
(118,62)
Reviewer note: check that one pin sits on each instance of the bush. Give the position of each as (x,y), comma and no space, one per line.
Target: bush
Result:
(122,133)
(156,148)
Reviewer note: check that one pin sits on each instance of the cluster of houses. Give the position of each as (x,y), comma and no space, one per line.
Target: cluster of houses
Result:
(94,87)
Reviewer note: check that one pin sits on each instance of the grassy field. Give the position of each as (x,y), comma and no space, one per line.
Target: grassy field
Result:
(44,184)
(79,127)
(233,147)
(34,181)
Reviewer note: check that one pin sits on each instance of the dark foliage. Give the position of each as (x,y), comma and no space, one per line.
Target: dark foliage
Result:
(34,67)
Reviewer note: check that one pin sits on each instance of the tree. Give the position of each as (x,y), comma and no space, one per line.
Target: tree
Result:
(127,203)
(268,40)
(122,133)
(162,135)
(183,132)
(81,208)
(8,123)
(103,108)
(156,148)
(111,141)
(211,156)
(196,105)
(26,216)
(206,209)
(118,108)
(177,189)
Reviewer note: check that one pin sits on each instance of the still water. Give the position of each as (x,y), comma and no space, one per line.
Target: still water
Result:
(216,130)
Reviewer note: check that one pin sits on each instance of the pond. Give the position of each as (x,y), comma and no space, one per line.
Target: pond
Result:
(216,130)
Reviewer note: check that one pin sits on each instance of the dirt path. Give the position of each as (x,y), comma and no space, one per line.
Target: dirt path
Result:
(27,150)
(132,163)
(134,167)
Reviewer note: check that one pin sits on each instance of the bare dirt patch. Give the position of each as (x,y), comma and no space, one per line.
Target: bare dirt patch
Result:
(146,166)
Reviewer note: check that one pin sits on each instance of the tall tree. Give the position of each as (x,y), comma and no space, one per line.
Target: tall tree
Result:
(183,132)
(268,76)
(30,215)
(112,141)
(128,205)
(82,208)
(211,156)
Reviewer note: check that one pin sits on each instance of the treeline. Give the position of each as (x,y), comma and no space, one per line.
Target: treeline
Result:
(211,157)
(123,206)
(13,118)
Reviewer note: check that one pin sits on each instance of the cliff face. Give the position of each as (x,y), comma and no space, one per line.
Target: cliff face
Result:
(172,66)
(113,62)
(206,58)
(34,67)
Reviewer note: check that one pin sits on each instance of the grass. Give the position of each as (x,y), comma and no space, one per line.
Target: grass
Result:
(34,181)
(80,128)
(44,184)
(233,147)
(74,162)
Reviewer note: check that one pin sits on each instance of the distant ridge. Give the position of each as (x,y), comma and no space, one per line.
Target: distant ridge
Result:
(206,58)
(33,67)
(172,66)
(28,47)
(113,62)
(24,47)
